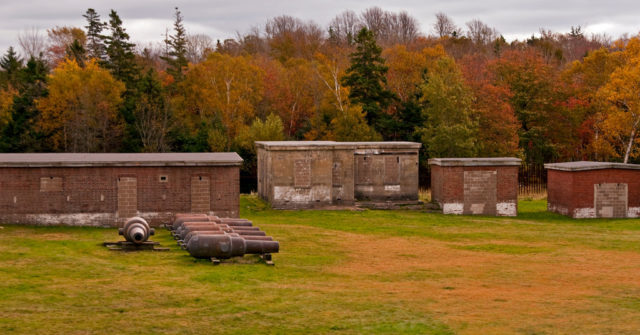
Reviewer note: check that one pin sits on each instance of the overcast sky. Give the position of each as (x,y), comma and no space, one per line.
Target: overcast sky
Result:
(146,20)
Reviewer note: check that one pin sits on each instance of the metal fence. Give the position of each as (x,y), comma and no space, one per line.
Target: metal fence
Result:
(532,179)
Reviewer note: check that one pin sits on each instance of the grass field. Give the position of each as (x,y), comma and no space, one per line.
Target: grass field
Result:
(342,272)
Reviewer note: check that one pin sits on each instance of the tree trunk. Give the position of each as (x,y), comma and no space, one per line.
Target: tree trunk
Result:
(632,138)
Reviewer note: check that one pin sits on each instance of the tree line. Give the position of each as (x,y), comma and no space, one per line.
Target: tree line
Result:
(461,91)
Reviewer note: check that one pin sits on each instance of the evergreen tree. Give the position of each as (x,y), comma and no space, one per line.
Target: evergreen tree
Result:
(95,40)
(11,64)
(77,52)
(176,57)
(20,135)
(120,57)
(121,61)
(366,79)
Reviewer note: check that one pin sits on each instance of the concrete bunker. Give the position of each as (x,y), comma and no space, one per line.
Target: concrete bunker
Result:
(307,174)
(482,186)
(594,189)
(104,189)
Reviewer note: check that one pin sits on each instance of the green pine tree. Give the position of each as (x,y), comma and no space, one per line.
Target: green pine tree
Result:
(366,79)
(176,57)
(11,64)
(120,57)
(95,40)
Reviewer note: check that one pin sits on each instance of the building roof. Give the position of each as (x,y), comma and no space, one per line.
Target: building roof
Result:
(119,159)
(588,165)
(491,161)
(311,145)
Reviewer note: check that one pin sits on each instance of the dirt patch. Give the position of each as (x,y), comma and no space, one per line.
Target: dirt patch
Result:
(478,291)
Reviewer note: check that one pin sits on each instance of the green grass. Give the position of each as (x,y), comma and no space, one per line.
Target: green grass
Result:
(342,272)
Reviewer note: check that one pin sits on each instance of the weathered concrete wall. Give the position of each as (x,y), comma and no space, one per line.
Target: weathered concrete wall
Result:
(342,176)
(107,195)
(386,176)
(594,189)
(315,174)
(482,186)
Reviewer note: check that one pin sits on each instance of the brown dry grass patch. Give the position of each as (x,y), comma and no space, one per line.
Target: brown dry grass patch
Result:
(487,292)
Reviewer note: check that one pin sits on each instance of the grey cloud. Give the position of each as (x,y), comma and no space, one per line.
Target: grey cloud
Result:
(225,18)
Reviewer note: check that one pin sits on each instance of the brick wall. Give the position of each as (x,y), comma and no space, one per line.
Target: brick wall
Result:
(573,192)
(94,196)
(487,190)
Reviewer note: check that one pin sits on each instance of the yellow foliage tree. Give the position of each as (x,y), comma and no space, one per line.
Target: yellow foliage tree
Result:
(81,111)
(222,87)
(406,68)
(6,101)
(621,101)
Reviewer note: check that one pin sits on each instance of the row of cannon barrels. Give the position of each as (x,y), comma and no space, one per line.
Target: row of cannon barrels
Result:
(212,237)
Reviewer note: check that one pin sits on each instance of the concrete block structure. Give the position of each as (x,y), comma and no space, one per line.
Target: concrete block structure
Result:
(484,186)
(106,189)
(307,174)
(593,189)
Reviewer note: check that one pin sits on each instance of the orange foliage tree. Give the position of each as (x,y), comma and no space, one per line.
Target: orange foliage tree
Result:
(224,88)
(81,111)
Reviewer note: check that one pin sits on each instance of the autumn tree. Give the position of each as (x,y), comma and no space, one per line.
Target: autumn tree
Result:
(448,129)
(584,79)
(290,91)
(531,82)
(6,102)
(80,114)
(621,96)
(223,88)
(366,80)
(497,123)
(66,42)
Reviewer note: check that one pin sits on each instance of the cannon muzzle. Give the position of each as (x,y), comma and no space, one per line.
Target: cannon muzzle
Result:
(136,230)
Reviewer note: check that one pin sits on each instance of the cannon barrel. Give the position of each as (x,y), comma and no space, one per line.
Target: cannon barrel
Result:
(136,230)
(180,234)
(225,246)
(182,218)
(183,243)
(186,225)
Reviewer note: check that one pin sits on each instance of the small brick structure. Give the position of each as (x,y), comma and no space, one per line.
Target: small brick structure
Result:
(309,174)
(484,186)
(593,189)
(105,189)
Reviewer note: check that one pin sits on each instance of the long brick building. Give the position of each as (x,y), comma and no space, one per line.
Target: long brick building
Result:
(105,189)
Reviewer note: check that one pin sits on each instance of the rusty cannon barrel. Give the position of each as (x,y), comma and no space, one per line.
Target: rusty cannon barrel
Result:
(136,230)
(187,227)
(218,232)
(182,218)
(226,246)
(236,222)
(190,235)
(181,233)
